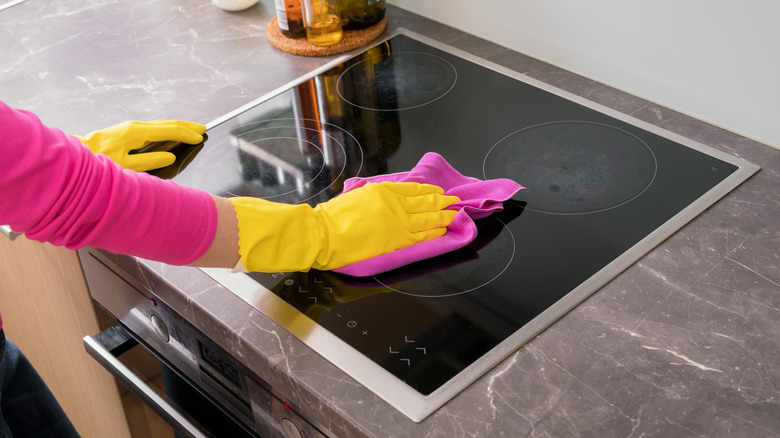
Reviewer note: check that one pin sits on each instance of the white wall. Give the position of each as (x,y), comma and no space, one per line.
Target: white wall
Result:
(716,60)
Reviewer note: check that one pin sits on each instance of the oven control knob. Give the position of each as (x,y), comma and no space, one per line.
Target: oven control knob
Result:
(289,429)
(159,327)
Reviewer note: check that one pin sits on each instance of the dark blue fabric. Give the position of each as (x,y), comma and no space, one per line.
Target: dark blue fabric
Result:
(27,406)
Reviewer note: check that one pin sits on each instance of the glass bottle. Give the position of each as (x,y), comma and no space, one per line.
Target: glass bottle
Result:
(289,15)
(359,14)
(323,22)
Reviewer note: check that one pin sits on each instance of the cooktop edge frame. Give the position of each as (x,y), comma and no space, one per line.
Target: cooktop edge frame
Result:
(382,383)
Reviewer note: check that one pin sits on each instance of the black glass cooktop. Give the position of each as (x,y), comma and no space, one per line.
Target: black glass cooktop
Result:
(600,191)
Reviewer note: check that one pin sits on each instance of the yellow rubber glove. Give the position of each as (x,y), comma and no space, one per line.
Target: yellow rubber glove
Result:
(375,219)
(118,141)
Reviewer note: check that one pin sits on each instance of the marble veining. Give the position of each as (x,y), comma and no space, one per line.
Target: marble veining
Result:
(683,343)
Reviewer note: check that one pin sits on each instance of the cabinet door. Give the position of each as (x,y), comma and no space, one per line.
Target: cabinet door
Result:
(46,311)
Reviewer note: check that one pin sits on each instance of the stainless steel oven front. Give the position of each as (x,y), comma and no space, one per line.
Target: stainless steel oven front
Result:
(207,392)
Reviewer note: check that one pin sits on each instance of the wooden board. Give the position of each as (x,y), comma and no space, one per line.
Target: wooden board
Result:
(46,311)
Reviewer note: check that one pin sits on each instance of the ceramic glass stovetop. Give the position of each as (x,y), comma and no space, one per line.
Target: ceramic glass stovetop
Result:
(602,190)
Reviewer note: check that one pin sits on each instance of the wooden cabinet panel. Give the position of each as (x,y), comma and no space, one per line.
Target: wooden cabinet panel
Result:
(46,310)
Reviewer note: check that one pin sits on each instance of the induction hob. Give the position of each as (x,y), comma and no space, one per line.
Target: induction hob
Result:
(602,190)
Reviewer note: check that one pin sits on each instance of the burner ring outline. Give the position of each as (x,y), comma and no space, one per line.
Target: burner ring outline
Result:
(471,289)
(315,146)
(417,105)
(586,122)
(292,125)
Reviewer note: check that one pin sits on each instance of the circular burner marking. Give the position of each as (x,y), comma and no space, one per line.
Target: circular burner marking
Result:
(287,156)
(402,81)
(460,271)
(573,167)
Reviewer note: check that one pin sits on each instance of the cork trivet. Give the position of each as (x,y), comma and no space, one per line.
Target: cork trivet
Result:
(300,46)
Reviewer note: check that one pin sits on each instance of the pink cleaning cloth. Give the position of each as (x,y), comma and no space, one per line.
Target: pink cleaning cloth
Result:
(478,199)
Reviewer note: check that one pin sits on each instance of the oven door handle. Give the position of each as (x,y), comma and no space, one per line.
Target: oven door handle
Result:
(112,342)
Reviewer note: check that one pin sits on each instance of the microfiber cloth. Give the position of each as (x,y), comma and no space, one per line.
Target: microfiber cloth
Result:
(478,199)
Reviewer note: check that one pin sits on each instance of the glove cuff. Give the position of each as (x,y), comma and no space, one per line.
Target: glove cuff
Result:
(275,237)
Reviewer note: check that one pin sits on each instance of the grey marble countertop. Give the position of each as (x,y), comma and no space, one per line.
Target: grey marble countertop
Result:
(683,343)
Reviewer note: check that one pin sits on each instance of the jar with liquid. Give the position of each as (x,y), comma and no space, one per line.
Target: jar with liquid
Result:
(323,22)
(359,14)
(289,16)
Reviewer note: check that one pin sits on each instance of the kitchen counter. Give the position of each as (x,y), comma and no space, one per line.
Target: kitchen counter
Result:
(683,343)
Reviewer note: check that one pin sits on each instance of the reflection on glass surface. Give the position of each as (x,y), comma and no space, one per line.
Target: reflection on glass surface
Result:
(299,146)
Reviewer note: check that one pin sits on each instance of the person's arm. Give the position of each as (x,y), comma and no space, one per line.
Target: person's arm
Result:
(223,251)
(54,189)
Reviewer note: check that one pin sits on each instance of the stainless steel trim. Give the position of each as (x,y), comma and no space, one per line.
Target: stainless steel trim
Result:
(11,3)
(182,425)
(391,389)
(6,230)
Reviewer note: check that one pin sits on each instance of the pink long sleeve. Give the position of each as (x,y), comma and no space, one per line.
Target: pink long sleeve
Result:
(54,189)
